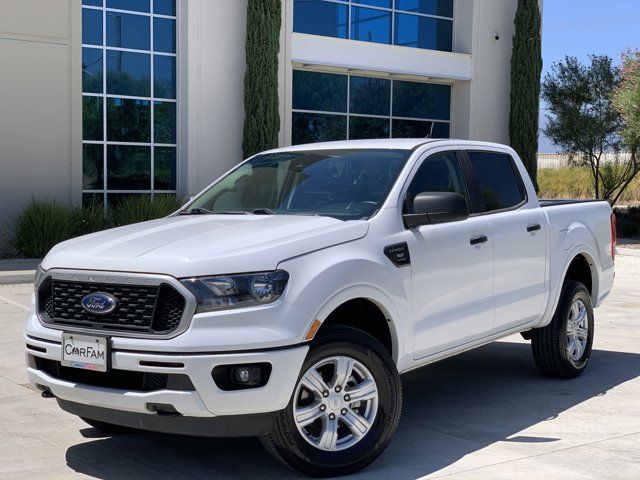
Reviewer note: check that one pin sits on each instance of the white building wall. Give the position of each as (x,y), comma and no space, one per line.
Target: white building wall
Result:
(491,84)
(211,66)
(40,99)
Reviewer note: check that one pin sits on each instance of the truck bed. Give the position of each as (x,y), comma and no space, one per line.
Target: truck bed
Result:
(551,202)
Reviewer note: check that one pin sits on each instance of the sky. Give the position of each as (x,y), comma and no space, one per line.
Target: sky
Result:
(584,27)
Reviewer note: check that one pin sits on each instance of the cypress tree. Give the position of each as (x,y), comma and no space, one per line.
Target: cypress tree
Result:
(261,106)
(526,68)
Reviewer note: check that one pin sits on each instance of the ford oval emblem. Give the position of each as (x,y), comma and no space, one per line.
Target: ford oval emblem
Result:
(99,303)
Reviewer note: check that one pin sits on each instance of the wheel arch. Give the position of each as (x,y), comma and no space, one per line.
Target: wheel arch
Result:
(356,304)
(580,265)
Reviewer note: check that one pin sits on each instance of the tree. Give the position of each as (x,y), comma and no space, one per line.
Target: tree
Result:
(626,100)
(526,68)
(582,120)
(261,104)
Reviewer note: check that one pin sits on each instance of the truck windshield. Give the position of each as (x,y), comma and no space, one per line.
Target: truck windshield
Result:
(344,184)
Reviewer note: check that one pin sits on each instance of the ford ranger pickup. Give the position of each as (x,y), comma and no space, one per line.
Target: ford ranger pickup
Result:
(286,299)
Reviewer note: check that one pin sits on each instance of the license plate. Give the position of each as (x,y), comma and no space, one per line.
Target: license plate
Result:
(85,352)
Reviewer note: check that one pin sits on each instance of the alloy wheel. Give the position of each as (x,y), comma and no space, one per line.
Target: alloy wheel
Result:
(335,403)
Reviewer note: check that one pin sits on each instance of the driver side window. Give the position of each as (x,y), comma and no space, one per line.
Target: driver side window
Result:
(438,173)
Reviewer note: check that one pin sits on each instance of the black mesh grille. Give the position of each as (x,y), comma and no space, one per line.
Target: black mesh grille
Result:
(168,310)
(118,379)
(145,309)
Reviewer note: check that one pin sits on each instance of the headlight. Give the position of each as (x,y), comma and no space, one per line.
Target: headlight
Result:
(39,275)
(237,291)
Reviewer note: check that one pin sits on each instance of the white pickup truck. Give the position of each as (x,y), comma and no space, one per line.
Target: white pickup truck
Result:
(286,299)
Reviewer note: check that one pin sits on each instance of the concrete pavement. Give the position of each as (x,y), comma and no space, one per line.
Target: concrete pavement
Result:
(486,414)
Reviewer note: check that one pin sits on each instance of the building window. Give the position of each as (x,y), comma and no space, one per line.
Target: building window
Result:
(328,106)
(424,24)
(129,106)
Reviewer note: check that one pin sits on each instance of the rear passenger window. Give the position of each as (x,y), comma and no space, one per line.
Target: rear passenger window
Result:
(499,182)
(438,173)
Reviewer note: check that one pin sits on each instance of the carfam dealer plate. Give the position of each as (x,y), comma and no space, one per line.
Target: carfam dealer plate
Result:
(85,352)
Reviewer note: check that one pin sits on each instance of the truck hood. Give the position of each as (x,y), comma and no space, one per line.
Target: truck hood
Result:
(185,246)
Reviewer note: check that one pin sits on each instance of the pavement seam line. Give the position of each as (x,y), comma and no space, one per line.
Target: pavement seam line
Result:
(537,455)
(15,304)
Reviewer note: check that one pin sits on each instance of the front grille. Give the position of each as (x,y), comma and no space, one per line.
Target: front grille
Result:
(117,379)
(141,308)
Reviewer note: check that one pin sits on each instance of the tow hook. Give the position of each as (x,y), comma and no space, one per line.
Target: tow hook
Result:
(47,394)
(163,410)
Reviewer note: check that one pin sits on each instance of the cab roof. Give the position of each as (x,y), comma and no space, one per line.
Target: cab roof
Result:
(383,143)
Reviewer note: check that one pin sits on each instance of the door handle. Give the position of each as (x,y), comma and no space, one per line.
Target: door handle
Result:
(479,240)
(534,228)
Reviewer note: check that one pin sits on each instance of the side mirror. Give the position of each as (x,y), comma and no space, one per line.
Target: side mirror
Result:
(436,207)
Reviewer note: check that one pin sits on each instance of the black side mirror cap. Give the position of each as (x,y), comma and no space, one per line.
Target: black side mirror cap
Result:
(436,207)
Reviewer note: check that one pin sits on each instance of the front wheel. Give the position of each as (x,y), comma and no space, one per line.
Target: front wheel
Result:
(562,349)
(345,407)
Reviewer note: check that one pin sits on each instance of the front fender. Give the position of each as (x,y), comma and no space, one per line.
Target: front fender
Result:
(322,281)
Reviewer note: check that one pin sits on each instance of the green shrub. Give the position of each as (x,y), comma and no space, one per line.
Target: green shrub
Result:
(628,222)
(45,223)
(41,225)
(140,208)
(261,104)
(87,220)
(526,67)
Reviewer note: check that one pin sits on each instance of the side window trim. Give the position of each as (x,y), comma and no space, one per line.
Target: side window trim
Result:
(477,188)
(461,167)
(475,197)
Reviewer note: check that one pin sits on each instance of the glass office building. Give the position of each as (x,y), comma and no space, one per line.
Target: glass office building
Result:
(110,98)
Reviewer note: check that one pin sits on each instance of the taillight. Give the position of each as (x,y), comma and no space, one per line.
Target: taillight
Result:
(614,237)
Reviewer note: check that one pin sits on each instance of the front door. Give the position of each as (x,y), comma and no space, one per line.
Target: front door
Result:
(452,266)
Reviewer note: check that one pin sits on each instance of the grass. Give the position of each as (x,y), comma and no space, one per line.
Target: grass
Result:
(45,223)
(577,183)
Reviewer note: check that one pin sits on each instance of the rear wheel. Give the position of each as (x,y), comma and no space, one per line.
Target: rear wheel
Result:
(562,349)
(345,407)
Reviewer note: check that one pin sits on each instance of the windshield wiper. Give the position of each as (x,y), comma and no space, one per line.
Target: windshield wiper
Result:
(204,211)
(263,211)
(195,211)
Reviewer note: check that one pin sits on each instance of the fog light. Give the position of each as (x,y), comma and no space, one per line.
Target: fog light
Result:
(246,374)
(236,377)
(242,374)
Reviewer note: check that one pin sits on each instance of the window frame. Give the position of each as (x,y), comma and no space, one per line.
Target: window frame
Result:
(350,4)
(471,194)
(390,118)
(480,208)
(104,97)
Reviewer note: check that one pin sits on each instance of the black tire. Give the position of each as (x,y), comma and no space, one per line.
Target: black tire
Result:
(288,445)
(549,344)
(109,428)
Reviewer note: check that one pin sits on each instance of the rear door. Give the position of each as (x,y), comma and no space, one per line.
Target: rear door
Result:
(518,239)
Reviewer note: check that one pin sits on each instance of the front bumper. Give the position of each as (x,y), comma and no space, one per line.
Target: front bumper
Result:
(206,400)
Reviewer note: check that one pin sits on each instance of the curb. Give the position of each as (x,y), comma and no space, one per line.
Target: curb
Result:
(15,271)
(11,278)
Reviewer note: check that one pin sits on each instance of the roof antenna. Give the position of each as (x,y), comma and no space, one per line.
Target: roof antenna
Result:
(430,134)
